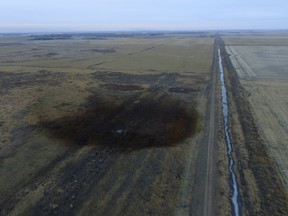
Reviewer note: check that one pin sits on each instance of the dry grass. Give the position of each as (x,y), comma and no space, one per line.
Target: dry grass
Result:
(265,62)
(257,41)
(46,81)
(129,55)
(257,161)
(268,96)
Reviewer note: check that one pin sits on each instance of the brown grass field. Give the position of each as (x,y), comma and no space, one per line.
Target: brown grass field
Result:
(105,126)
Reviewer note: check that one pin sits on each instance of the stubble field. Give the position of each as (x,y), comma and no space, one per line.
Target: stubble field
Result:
(264,75)
(257,94)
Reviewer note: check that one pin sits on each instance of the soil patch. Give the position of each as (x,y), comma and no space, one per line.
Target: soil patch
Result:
(10,80)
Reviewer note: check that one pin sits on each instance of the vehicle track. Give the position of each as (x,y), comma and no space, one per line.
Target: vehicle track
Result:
(208,205)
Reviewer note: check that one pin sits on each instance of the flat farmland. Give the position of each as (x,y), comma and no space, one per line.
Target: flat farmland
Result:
(130,55)
(260,62)
(95,125)
(262,69)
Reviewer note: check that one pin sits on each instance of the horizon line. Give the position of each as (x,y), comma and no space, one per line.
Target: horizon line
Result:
(136,30)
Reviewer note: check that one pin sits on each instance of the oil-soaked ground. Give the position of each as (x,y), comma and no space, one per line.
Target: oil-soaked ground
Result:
(75,141)
(152,120)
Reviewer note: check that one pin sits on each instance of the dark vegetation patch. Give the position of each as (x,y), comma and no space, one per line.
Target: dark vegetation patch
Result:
(154,120)
(156,82)
(95,65)
(182,90)
(61,106)
(105,35)
(103,62)
(9,80)
(122,87)
(156,88)
(94,38)
(153,78)
(103,50)
(11,44)
(18,136)
(49,54)
(141,51)
(52,37)
(64,104)
(76,183)
(21,133)
(87,36)
(120,77)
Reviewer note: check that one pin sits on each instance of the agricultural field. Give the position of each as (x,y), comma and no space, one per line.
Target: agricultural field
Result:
(96,125)
(255,80)
(263,72)
(262,66)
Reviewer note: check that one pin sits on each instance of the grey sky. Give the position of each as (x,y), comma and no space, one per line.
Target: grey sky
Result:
(93,15)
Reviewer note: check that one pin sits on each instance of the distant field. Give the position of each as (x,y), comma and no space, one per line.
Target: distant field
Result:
(121,54)
(263,72)
(256,41)
(273,38)
(262,62)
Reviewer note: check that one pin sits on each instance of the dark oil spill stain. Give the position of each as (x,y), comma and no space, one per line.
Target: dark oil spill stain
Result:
(134,123)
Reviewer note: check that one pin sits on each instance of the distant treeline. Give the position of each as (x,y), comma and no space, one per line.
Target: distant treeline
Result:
(104,35)
(52,37)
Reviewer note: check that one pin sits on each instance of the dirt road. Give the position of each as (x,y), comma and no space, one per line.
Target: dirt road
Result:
(208,204)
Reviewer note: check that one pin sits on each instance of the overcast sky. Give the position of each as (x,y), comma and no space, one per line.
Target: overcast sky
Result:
(99,15)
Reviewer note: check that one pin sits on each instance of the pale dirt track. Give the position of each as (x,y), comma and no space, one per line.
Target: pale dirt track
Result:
(209,202)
